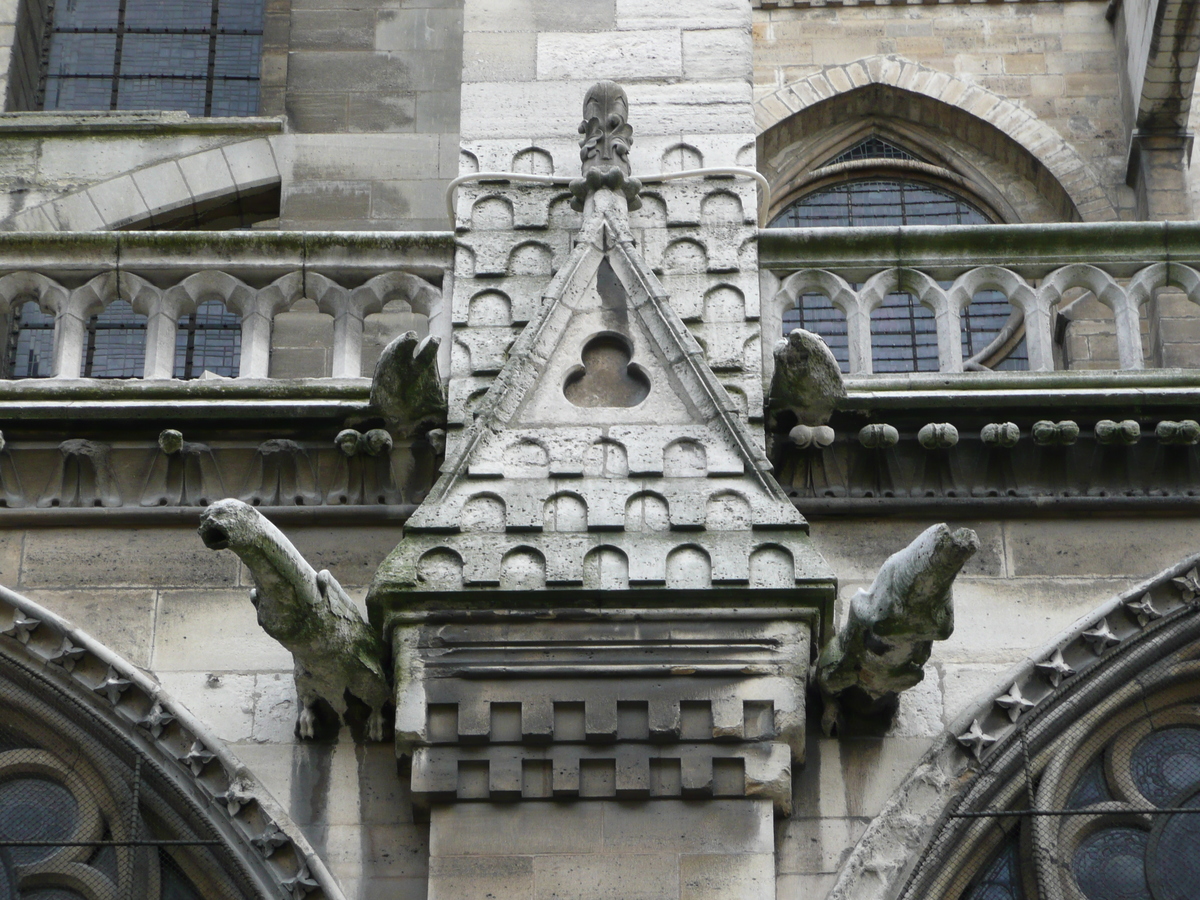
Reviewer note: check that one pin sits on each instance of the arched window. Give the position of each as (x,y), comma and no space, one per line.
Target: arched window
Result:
(208,340)
(116,343)
(904,332)
(202,56)
(31,342)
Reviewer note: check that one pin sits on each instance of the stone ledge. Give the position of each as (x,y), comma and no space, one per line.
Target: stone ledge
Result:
(41,124)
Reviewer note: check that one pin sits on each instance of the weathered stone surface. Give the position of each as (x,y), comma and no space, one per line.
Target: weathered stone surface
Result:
(891,627)
(406,387)
(807,378)
(336,652)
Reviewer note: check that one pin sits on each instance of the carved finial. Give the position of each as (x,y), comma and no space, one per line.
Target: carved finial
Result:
(976,740)
(1055,668)
(604,148)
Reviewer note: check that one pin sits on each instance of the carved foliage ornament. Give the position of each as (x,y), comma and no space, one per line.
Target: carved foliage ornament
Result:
(604,148)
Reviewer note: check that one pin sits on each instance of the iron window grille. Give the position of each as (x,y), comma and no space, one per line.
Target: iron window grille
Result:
(200,56)
(116,343)
(210,339)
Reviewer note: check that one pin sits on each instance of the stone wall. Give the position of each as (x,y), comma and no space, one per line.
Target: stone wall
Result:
(155,595)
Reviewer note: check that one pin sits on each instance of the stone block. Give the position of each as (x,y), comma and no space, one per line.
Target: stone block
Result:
(965,684)
(162,187)
(76,212)
(207,174)
(498,830)
(812,846)
(224,702)
(300,362)
(275,708)
(716,54)
(352,554)
(366,157)
(604,877)
(717,876)
(346,201)
(689,826)
(121,620)
(213,631)
(366,112)
(920,712)
(1105,548)
(87,557)
(419,29)
(327,70)
(537,15)
(999,620)
(473,878)
(252,163)
(439,110)
(622,56)
(636,14)
(10,557)
(333,29)
(381,851)
(801,887)
(856,550)
(317,111)
(872,768)
(410,201)
(503,56)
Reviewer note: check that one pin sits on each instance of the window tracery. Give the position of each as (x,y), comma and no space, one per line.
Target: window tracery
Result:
(904,331)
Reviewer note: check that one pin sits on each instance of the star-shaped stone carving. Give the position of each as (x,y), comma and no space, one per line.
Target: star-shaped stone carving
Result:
(1055,668)
(197,758)
(1143,610)
(270,841)
(22,627)
(113,686)
(301,884)
(68,654)
(1014,702)
(156,720)
(1101,637)
(1189,585)
(235,798)
(976,739)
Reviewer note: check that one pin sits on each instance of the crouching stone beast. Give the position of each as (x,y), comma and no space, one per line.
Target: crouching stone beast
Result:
(336,653)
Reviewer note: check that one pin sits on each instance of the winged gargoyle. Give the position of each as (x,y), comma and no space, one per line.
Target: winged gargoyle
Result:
(336,652)
(885,643)
(406,388)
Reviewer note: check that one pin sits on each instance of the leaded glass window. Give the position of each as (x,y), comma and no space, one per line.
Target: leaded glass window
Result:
(201,56)
(116,343)
(210,339)
(31,342)
(903,332)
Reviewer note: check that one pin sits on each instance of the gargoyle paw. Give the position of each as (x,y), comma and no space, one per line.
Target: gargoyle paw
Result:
(307,721)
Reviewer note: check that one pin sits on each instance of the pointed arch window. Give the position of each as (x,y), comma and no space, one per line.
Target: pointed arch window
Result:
(116,343)
(903,331)
(208,340)
(31,342)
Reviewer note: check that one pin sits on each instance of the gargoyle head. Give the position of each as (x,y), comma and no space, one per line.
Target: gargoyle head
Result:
(228,524)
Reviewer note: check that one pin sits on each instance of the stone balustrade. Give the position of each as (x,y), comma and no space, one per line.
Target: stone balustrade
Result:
(165,276)
(945,268)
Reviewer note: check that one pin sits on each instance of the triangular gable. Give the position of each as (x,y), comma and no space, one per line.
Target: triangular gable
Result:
(549,488)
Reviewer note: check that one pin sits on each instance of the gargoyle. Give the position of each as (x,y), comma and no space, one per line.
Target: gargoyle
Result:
(336,652)
(807,379)
(406,388)
(889,635)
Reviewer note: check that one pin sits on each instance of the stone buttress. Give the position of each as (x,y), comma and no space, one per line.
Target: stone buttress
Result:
(606,598)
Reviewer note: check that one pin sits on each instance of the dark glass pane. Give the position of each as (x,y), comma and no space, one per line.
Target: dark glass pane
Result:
(238,55)
(871,148)
(1002,879)
(162,93)
(903,336)
(1091,788)
(234,98)
(1174,856)
(31,352)
(982,321)
(816,314)
(35,809)
(85,14)
(1166,763)
(164,54)
(240,15)
(172,14)
(175,884)
(83,54)
(116,343)
(1111,865)
(78,93)
(879,202)
(211,340)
